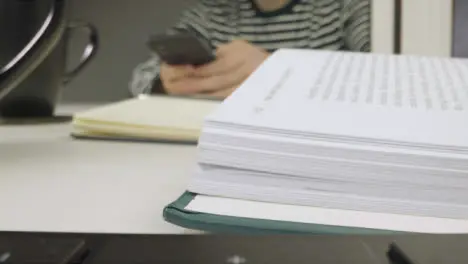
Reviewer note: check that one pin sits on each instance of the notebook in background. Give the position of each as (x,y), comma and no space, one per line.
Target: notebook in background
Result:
(151,118)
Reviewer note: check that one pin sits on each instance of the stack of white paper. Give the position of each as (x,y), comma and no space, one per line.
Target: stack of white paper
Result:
(379,133)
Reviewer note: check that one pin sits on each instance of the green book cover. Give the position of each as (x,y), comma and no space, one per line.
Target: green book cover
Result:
(176,213)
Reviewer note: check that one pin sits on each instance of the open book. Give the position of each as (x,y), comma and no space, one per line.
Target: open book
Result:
(153,118)
(366,132)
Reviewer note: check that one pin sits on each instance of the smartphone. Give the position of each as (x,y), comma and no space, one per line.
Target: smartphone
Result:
(181,48)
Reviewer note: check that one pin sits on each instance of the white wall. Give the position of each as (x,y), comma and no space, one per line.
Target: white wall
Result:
(383,23)
(427,27)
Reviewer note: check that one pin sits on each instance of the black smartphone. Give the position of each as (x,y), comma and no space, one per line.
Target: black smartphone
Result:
(181,48)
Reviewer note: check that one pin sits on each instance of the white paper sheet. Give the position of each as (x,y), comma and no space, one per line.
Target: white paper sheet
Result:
(324,216)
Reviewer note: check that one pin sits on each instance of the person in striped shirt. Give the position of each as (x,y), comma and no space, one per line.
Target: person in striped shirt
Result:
(244,32)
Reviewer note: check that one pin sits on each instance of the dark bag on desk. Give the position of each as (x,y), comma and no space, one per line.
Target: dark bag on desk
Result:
(34,39)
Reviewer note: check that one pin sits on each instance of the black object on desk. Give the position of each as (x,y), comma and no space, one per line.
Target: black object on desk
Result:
(27,249)
(397,256)
(46,248)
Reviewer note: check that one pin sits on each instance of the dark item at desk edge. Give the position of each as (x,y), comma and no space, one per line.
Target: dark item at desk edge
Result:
(127,248)
(397,256)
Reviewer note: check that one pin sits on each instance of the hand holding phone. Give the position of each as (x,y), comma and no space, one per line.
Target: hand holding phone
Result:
(235,61)
(181,49)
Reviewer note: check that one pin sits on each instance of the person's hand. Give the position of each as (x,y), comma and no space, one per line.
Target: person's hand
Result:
(234,62)
(173,76)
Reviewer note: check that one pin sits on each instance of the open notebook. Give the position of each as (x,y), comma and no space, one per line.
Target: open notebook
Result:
(150,118)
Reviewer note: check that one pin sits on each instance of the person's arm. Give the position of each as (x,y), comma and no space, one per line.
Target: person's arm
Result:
(356,15)
(145,76)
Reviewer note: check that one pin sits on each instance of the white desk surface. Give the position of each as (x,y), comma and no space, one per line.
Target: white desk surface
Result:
(51,182)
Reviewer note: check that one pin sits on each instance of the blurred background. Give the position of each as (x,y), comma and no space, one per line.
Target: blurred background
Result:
(123,38)
(124,34)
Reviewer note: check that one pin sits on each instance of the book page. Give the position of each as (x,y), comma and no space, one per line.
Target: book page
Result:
(324,216)
(396,81)
(378,98)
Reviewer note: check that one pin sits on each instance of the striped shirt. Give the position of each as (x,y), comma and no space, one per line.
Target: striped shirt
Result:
(303,24)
